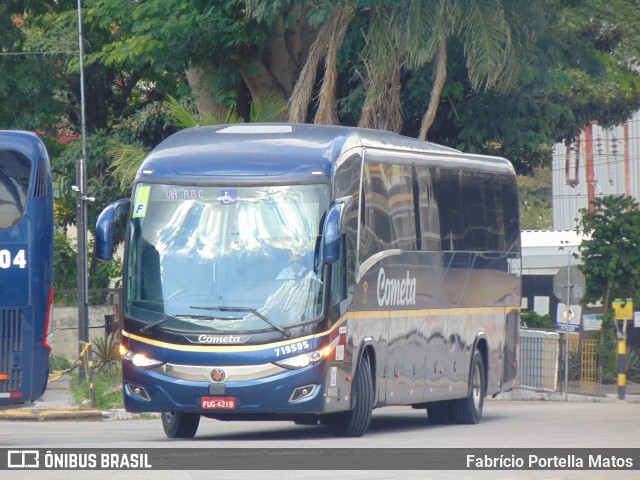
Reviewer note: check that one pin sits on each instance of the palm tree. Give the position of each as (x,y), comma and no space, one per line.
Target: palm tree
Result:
(494,35)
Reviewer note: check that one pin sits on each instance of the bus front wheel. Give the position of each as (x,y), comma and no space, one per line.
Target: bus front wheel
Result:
(469,410)
(180,425)
(355,422)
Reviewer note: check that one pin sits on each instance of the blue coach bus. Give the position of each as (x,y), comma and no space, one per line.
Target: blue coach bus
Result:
(314,273)
(26,266)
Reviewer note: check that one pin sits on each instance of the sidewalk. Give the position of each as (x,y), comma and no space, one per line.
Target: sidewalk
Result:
(57,404)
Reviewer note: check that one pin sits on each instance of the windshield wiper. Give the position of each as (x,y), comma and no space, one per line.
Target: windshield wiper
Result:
(205,317)
(224,308)
(155,324)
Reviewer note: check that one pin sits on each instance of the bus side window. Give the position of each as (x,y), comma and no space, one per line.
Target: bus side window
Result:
(450,209)
(375,229)
(347,184)
(401,207)
(475,213)
(15,173)
(495,212)
(428,209)
(511,217)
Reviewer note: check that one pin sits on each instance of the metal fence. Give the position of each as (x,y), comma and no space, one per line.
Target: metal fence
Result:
(591,365)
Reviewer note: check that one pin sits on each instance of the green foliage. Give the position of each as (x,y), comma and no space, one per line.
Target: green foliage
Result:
(65,266)
(531,319)
(606,350)
(264,108)
(64,262)
(106,271)
(125,162)
(632,362)
(187,116)
(59,363)
(107,388)
(562,65)
(105,353)
(536,211)
(611,255)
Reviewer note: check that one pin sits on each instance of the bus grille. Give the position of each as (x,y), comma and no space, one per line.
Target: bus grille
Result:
(11,349)
(40,186)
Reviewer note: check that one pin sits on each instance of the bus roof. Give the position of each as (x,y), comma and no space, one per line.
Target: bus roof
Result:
(276,150)
(27,143)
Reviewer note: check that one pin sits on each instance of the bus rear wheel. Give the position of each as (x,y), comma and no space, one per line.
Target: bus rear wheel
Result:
(180,425)
(355,422)
(469,410)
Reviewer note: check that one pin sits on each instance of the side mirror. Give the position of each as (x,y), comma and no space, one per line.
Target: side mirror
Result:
(105,225)
(333,229)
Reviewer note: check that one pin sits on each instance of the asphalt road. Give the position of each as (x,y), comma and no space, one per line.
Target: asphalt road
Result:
(505,424)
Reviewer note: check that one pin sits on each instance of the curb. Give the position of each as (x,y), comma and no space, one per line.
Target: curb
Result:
(532,395)
(35,415)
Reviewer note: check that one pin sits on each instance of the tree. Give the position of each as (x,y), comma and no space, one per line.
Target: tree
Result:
(224,56)
(584,69)
(494,35)
(611,254)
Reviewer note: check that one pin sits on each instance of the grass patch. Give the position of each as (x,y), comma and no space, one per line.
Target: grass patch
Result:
(59,363)
(107,385)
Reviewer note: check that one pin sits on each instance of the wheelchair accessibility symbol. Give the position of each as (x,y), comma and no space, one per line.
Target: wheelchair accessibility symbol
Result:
(228,197)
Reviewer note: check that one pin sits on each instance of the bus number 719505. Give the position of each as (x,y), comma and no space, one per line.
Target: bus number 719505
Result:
(294,347)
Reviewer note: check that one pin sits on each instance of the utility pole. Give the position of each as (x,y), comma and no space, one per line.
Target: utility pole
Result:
(567,317)
(81,214)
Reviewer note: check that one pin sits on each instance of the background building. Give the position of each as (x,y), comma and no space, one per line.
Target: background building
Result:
(598,162)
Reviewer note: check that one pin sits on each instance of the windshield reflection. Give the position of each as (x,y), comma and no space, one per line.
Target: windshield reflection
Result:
(241,253)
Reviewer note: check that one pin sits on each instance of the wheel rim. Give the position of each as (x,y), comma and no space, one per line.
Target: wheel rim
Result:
(169,418)
(477,388)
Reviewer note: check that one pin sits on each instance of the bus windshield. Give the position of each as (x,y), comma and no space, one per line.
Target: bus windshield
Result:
(236,259)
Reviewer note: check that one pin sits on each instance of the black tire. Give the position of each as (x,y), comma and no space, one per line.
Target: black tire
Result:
(355,422)
(440,413)
(306,420)
(180,425)
(468,411)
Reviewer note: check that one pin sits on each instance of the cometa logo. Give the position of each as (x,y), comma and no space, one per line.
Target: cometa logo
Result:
(395,291)
(218,339)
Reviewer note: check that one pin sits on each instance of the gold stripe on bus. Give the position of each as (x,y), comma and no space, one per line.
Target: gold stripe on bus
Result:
(425,312)
(228,347)
(355,315)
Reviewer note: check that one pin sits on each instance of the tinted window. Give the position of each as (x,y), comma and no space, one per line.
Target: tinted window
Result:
(511,217)
(474,212)
(428,208)
(347,178)
(401,207)
(495,212)
(347,184)
(375,232)
(15,172)
(450,208)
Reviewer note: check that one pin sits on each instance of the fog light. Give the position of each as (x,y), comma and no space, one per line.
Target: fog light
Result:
(138,391)
(303,393)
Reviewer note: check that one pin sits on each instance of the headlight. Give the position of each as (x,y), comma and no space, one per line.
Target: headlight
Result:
(138,359)
(300,361)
